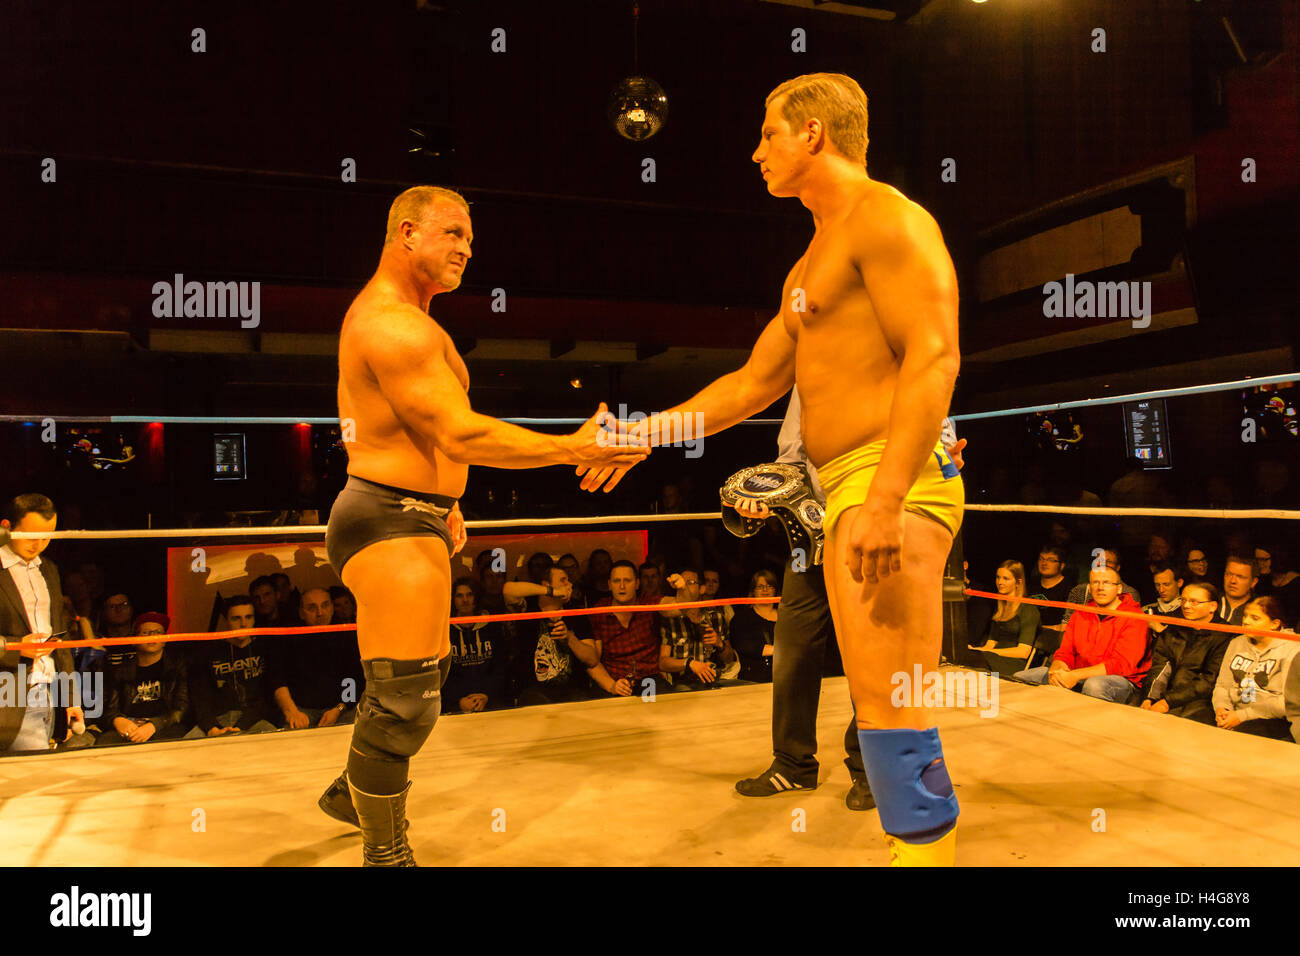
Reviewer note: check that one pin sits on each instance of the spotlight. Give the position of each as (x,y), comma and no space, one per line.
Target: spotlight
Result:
(575,382)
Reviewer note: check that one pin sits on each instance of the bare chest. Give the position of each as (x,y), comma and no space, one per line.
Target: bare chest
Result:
(821,285)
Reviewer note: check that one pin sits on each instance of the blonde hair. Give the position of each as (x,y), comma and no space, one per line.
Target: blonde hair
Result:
(414,204)
(835,99)
(1007,609)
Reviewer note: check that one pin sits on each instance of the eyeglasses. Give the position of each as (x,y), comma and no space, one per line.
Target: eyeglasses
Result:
(117,606)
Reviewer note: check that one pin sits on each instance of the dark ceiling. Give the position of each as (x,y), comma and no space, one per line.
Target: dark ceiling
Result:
(226,164)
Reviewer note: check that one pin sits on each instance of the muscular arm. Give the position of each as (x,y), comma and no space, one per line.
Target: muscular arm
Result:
(765,377)
(913,289)
(407,355)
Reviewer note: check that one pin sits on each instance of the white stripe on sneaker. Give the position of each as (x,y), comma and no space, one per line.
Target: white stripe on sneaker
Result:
(787,783)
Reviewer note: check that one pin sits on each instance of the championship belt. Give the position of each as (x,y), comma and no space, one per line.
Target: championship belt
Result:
(786,491)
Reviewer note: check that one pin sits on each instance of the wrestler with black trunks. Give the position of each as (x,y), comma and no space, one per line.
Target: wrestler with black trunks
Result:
(411,436)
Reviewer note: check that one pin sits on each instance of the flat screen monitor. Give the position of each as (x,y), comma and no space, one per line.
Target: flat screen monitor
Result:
(1146,434)
(229,461)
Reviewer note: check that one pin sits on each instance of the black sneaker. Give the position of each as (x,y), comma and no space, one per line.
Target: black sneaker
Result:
(773,780)
(860,797)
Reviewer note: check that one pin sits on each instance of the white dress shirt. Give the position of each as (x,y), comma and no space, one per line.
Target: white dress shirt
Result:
(32,589)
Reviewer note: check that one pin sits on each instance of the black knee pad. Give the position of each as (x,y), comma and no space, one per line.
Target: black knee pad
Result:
(399,707)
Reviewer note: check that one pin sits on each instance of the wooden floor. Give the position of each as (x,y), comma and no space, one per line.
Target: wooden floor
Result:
(646,784)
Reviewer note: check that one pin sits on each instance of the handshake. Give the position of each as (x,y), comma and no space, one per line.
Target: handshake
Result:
(605,449)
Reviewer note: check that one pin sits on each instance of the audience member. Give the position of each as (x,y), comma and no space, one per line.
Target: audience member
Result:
(569,565)
(315,679)
(266,603)
(115,620)
(1052,585)
(539,565)
(1104,657)
(694,650)
(1079,593)
(1014,628)
(753,630)
(1197,563)
(595,582)
(345,605)
(557,651)
(480,659)
(711,588)
(147,696)
(1250,695)
(1239,579)
(33,613)
(286,596)
(1169,589)
(627,642)
(650,590)
(1285,580)
(1159,552)
(228,684)
(1186,659)
(492,584)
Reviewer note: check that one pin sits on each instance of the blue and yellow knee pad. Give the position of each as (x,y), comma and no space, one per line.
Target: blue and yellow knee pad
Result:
(913,793)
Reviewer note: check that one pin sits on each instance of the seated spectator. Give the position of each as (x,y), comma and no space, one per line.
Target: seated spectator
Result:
(1051,585)
(1169,588)
(1079,593)
(1197,564)
(1284,580)
(711,587)
(148,696)
(569,565)
(1264,565)
(1159,552)
(492,584)
(626,642)
(479,657)
(693,646)
(1186,659)
(345,605)
(1250,695)
(753,630)
(1240,576)
(266,604)
(595,582)
(115,620)
(228,679)
(316,680)
(555,651)
(1014,627)
(286,596)
(1104,657)
(650,589)
(539,566)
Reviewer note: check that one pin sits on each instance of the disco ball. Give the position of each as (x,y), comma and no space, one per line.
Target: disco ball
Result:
(638,107)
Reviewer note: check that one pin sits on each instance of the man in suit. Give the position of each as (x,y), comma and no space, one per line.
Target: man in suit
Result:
(32,682)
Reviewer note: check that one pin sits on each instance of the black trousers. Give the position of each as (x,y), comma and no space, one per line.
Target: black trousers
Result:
(804,631)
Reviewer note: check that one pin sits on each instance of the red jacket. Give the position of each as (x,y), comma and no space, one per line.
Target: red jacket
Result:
(1118,642)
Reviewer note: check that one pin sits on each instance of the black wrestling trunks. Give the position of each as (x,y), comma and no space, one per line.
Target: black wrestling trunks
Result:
(366,512)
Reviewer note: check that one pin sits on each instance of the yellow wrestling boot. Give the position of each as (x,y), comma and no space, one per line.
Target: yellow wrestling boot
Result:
(942,852)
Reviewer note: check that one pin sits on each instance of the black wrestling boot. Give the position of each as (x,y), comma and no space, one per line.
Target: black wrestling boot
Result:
(383,827)
(337,802)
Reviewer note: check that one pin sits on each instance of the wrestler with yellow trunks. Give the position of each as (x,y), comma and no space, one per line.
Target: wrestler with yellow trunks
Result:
(868,331)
